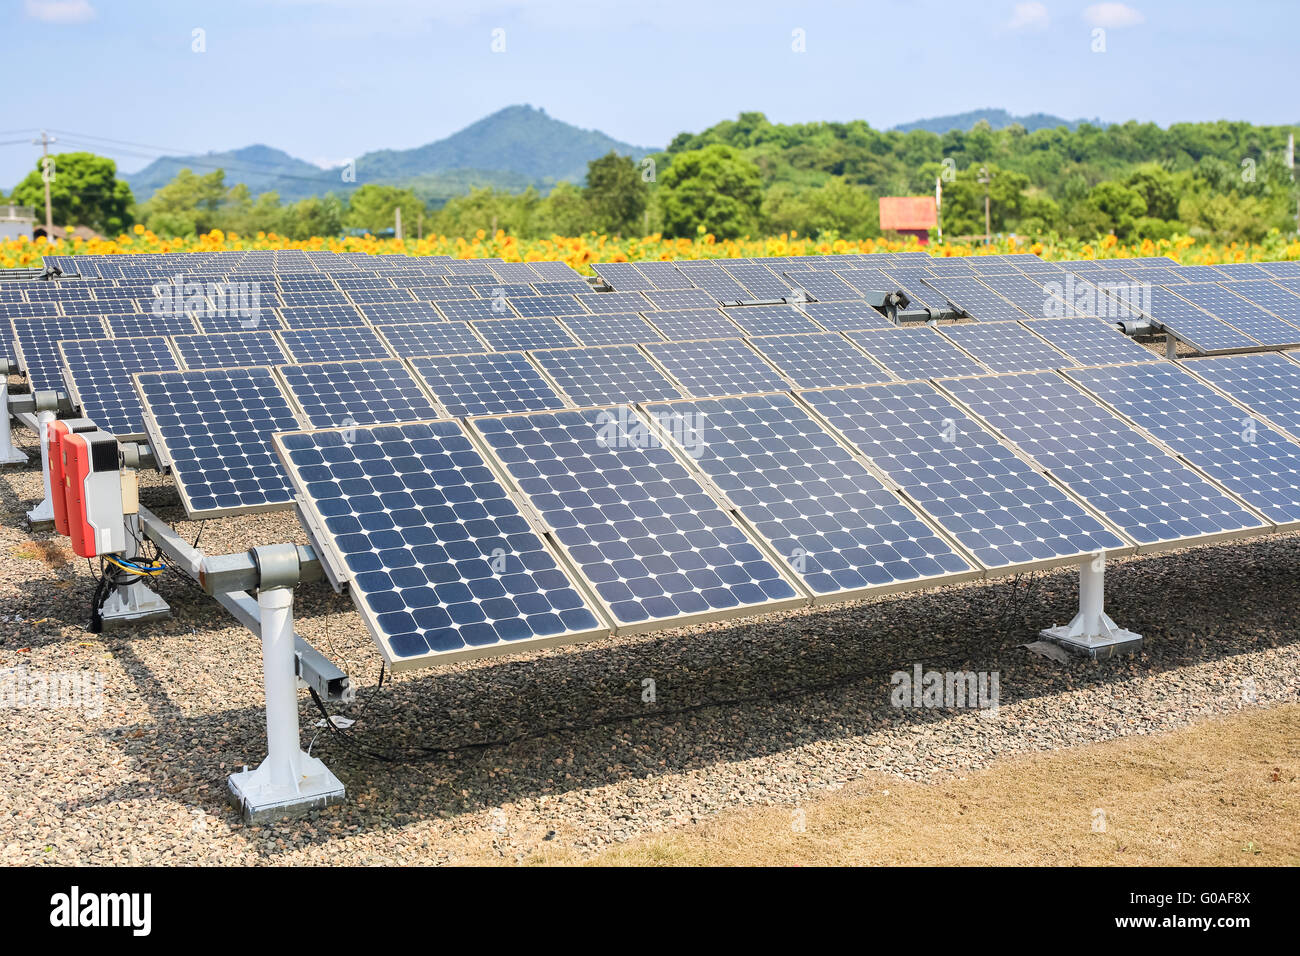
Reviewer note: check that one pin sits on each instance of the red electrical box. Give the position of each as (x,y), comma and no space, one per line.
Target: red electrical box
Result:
(93,481)
(54,435)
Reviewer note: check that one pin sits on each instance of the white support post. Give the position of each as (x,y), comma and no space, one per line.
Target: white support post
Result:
(288,782)
(9,452)
(42,516)
(1092,632)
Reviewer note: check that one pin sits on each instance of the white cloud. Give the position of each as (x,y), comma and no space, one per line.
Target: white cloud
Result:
(60,11)
(1028,16)
(1113,15)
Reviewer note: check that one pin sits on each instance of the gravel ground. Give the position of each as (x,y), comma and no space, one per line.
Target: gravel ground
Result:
(557,748)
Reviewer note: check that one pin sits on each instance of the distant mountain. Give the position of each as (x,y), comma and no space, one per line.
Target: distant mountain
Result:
(261,168)
(998,119)
(513,148)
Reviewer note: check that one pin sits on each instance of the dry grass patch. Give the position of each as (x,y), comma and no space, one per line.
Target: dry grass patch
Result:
(1222,792)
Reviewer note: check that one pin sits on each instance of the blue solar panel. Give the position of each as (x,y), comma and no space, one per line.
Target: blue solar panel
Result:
(1267,382)
(846,316)
(28,310)
(101,371)
(611,328)
(487,383)
(771,320)
(563,287)
(515,272)
(976,299)
(263,318)
(642,531)
(1251,460)
(606,375)
(621,276)
(717,367)
(1090,341)
(510,335)
(820,285)
(466,310)
(97,306)
(1286,269)
(820,360)
(614,302)
(539,305)
(1094,453)
(229,350)
(36,345)
(760,281)
(317,317)
(133,324)
(1040,297)
(664,276)
(1245,316)
(333,344)
(1282,302)
(916,353)
(400,313)
(1198,328)
(357,393)
(999,508)
(215,428)
(303,299)
(553,270)
(439,559)
(1006,346)
(685,324)
(379,294)
(508,290)
(838,528)
(430,338)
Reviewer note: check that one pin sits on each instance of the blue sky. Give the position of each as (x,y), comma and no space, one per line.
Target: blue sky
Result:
(328,80)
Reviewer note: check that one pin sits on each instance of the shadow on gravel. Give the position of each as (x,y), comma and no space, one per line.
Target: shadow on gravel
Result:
(465,739)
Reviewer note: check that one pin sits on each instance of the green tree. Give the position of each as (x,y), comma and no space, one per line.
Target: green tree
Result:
(372,208)
(1121,205)
(84,191)
(714,187)
(616,194)
(314,216)
(186,205)
(565,212)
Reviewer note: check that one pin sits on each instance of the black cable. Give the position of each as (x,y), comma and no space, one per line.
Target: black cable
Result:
(420,754)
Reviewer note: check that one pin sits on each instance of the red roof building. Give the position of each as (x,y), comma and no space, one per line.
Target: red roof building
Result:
(909,216)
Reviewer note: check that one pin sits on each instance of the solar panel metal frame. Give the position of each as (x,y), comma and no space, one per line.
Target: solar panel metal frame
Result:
(302,408)
(814,344)
(545,360)
(800,597)
(1248,413)
(1126,546)
(180,342)
(450,400)
(79,400)
(301,356)
(396,337)
(324,541)
(654,348)
(650,410)
(980,340)
(953,389)
(52,360)
(157,439)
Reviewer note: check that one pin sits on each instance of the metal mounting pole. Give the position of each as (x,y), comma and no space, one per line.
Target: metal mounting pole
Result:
(9,452)
(1092,632)
(42,516)
(289,782)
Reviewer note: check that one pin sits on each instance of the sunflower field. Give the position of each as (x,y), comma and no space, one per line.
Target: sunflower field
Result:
(581,251)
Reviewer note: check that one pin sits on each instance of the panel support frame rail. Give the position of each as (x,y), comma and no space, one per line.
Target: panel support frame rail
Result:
(1092,632)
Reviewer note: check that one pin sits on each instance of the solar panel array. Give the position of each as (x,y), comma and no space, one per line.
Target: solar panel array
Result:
(674,450)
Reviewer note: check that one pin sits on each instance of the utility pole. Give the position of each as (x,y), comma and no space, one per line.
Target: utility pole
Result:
(938,205)
(1290,164)
(397,223)
(419,224)
(44,144)
(985,178)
